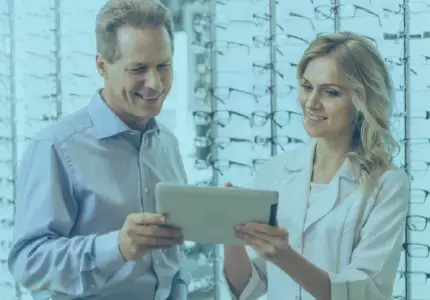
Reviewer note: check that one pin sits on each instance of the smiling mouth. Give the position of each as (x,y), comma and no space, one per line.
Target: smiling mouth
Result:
(316,118)
(147,98)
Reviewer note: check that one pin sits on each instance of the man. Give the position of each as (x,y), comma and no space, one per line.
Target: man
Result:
(86,226)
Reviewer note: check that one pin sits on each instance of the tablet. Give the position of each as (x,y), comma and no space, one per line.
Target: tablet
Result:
(208,214)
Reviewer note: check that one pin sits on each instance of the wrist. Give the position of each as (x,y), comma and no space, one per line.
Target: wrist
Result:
(120,252)
(121,246)
(284,256)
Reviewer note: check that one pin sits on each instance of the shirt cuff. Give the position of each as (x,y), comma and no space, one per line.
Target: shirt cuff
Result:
(178,291)
(108,258)
(253,282)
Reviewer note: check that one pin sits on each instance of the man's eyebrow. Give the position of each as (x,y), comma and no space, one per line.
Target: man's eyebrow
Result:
(136,63)
(144,64)
(166,62)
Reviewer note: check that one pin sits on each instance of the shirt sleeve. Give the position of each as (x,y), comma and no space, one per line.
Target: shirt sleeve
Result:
(376,257)
(43,256)
(257,284)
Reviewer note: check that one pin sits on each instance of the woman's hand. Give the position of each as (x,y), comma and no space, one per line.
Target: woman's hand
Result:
(268,241)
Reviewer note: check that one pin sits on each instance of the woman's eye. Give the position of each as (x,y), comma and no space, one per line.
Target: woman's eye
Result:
(305,87)
(332,93)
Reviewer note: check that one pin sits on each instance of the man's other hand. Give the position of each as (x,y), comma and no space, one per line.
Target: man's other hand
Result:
(144,232)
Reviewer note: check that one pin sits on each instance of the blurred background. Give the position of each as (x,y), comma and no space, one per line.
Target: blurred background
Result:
(233,103)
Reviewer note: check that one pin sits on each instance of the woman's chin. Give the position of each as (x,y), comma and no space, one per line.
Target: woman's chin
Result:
(314,132)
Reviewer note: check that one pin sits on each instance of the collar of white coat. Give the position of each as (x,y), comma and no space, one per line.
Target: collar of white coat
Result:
(298,166)
(303,162)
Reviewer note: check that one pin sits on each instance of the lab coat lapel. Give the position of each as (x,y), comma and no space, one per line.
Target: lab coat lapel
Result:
(295,190)
(342,184)
(324,205)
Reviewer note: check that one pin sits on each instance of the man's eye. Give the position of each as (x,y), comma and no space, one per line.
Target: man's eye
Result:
(163,66)
(138,70)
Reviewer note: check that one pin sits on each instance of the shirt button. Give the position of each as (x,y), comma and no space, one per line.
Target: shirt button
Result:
(145,190)
(157,262)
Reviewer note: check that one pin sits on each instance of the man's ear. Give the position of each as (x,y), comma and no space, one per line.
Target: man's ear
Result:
(101,65)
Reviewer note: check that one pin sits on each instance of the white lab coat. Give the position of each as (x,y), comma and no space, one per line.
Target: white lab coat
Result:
(358,242)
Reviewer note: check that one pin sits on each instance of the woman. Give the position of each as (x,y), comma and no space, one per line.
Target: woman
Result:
(342,203)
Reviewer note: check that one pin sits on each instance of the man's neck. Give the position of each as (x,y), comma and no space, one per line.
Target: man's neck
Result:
(133,122)
(138,124)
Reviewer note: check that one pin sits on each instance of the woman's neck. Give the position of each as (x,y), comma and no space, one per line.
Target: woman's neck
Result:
(329,157)
(330,152)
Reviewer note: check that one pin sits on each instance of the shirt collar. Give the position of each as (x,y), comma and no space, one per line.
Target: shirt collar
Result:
(107,123)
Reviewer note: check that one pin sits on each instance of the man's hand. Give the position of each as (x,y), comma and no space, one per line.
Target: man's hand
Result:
(144,232)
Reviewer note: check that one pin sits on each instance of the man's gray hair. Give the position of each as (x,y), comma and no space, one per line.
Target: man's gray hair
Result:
(135,13)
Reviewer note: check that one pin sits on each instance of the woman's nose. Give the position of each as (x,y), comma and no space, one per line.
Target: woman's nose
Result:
(313,100)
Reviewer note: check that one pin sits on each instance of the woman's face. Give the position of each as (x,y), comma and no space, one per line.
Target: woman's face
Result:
(325,103)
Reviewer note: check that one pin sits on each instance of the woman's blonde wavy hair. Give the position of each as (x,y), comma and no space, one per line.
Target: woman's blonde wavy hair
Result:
(360,64)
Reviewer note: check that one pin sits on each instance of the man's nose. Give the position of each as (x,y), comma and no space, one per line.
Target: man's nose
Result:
(153,80)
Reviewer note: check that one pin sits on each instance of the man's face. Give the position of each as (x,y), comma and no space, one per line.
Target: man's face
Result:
(137,84)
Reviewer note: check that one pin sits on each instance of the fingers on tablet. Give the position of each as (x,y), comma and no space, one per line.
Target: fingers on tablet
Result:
(149,218)
(157,231)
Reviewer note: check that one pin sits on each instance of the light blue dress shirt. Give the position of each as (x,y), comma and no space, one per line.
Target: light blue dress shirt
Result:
(78,180)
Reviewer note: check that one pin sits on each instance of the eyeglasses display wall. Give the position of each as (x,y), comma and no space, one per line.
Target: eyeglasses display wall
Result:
(47,70)
(245,54)
(7,152)
(45,58)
